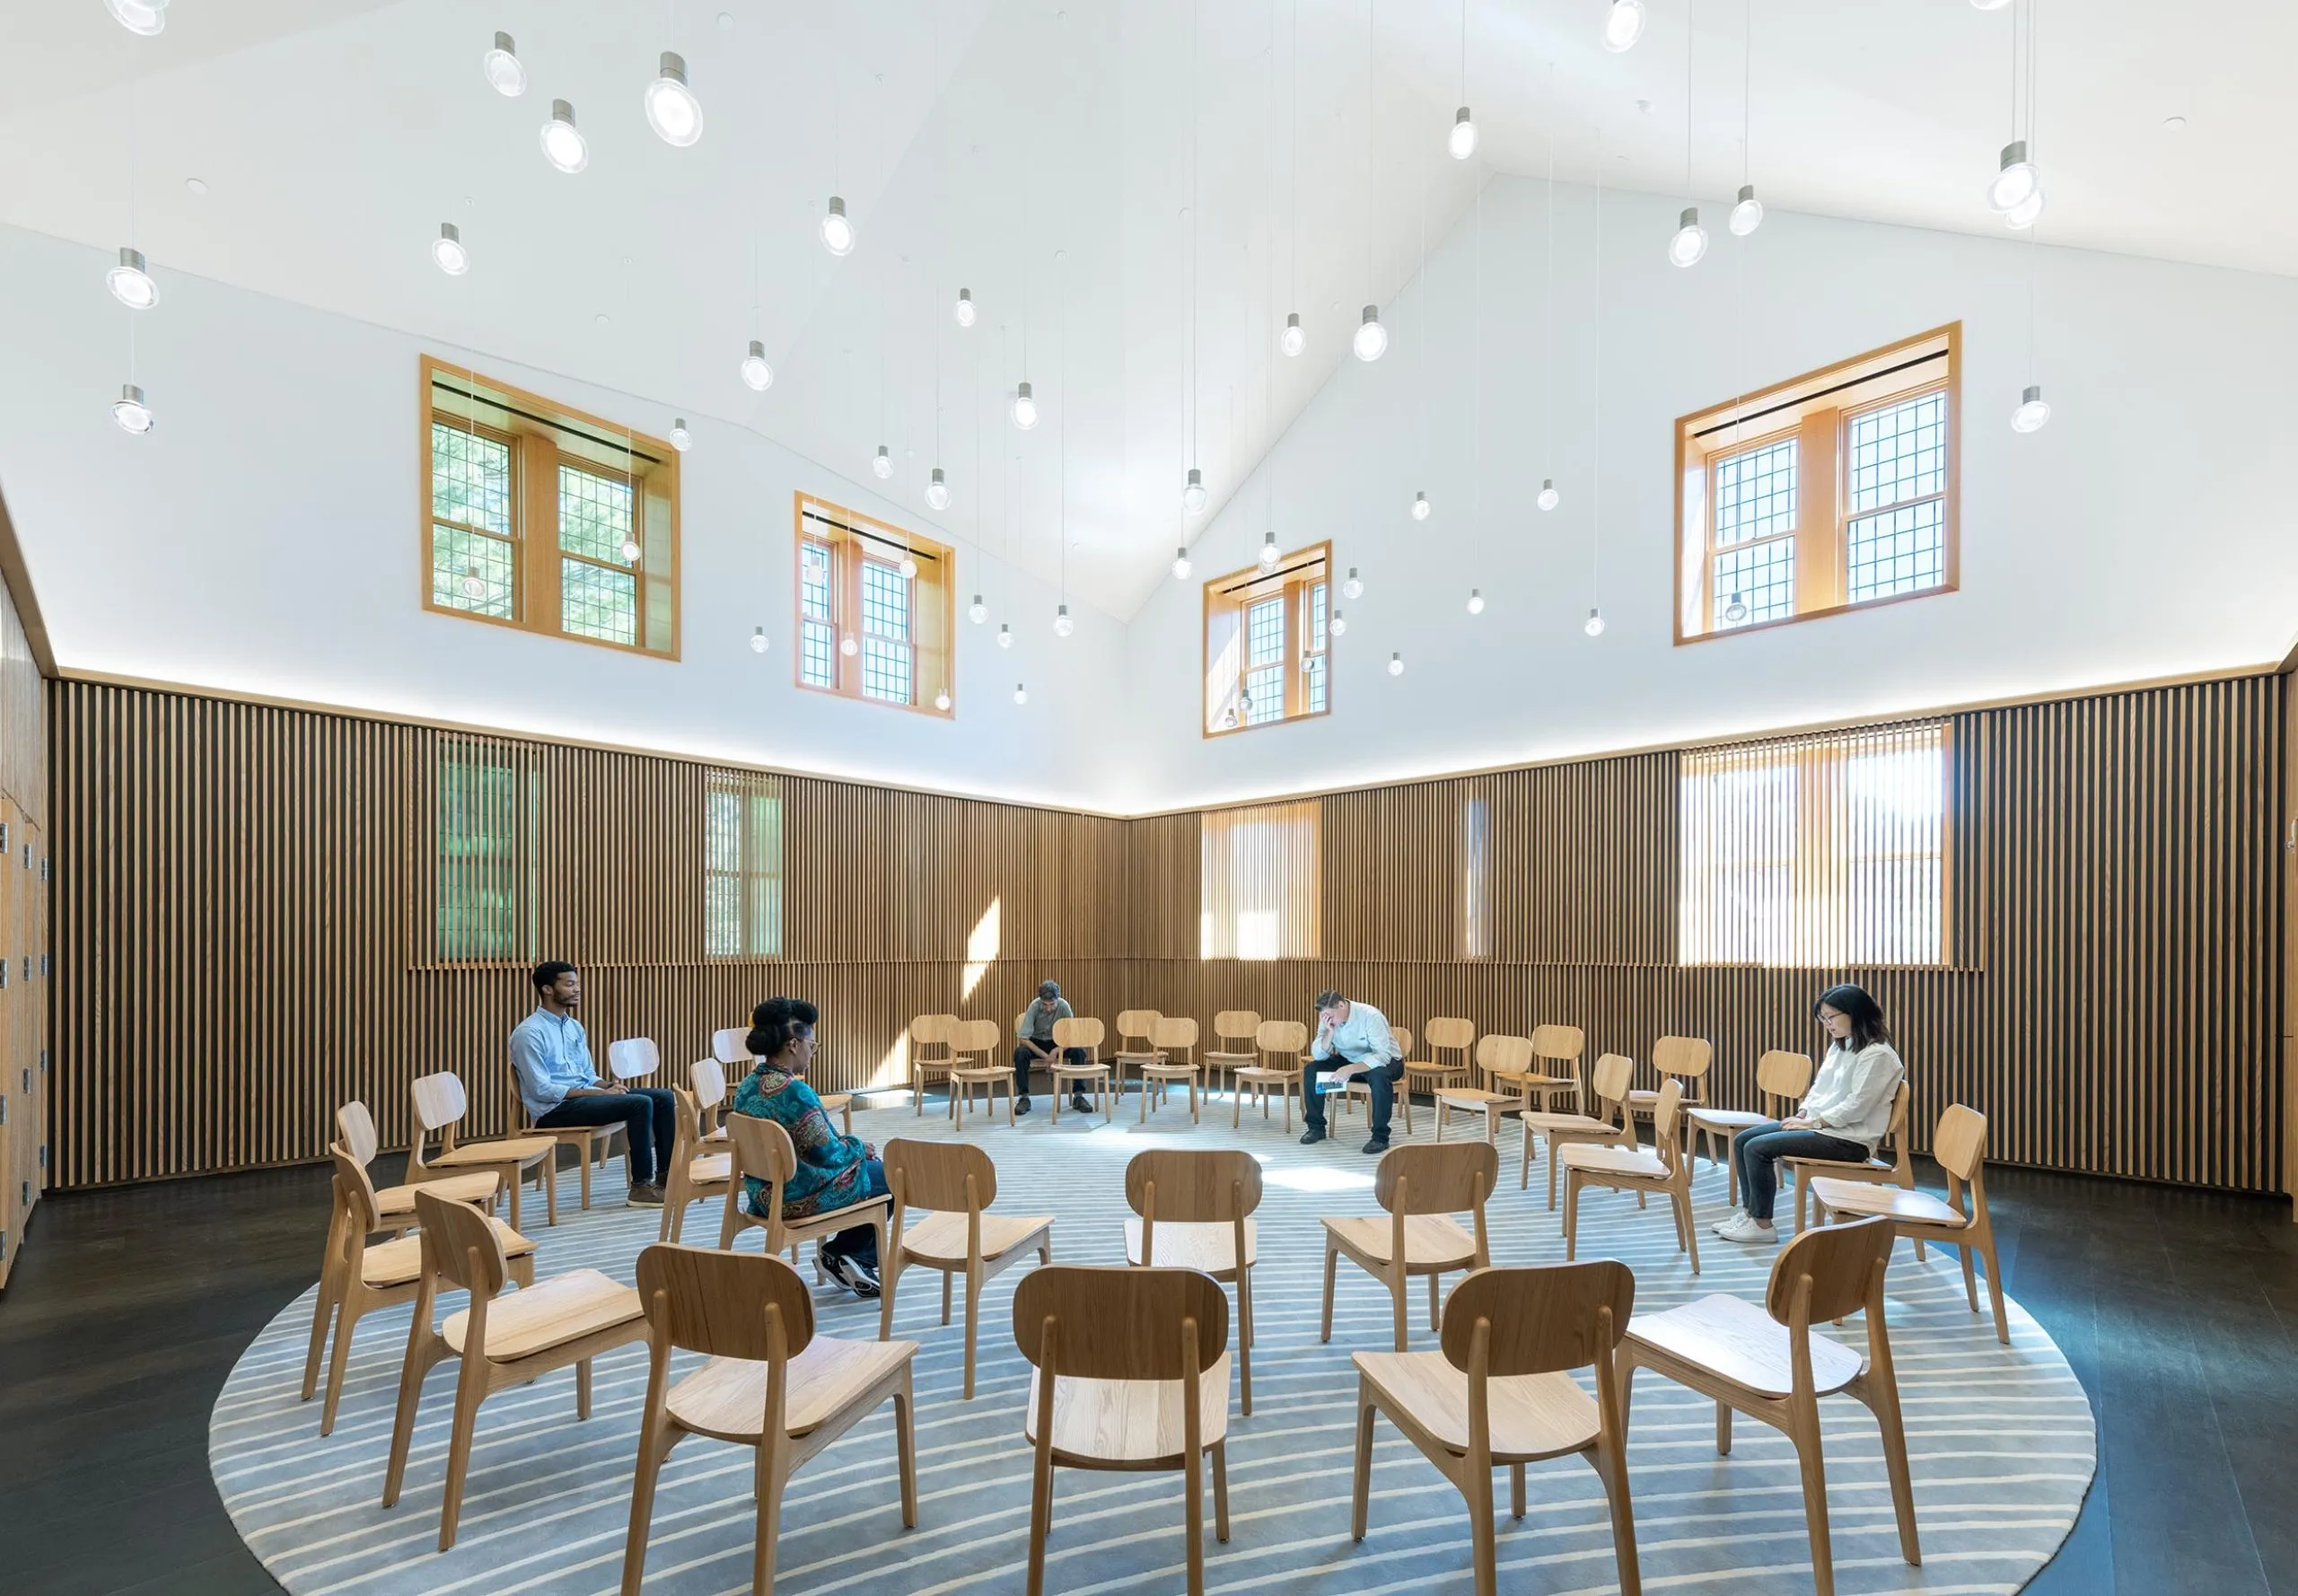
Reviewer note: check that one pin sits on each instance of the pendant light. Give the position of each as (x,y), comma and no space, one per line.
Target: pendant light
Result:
(1747,216)
(1339,625)
(1269,555)
(1420,508)
(681,440)
(757,640)
(849,645)
(1020,693)
(1025,408)
(2033,410)
(1180,564)
(1549,497)
(1476,600)
(144,18)
(631,551)
(942,700)
(837,233)
(1623,24)
(976,612)
(2024,214)
(563,145)
(908,566)
(1595,623)
(1371,340)
(1292,340)
(1747,210)
(1736,611)
(130,411)
(1396,663)
(131,283)
(881,465)
(1461,140)
(2016,182)
(1690,241)
(1062,624)
(963,309)
(1193,495)
(1004,634)
(446,249)
(937,491)
(506,75)
(755,370)
(672,109)
(474,586)
(1354,588)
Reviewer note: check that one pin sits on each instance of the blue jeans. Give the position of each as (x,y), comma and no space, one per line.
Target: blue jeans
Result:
(1759,1149)
(1383,1082)
(649,1116)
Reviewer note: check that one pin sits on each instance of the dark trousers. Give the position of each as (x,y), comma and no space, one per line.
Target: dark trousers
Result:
(1383,1082)
(1759,1149)
(860,1242)
(1024,1055)
(649,1116)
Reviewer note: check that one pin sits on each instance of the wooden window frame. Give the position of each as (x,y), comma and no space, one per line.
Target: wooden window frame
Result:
(1817,409)
(854,538)
(543,434)
(1228,597)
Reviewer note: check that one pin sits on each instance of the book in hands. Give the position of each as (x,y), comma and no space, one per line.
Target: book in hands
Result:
(1338,1080)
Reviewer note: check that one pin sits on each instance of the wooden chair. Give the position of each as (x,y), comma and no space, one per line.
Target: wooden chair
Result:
(1664,1171)
(706,1078)
(1782,1078)
(762,1150)
(1959,1146)
(1768,1363)
(633,1059)
(356,1278)
(1683,1058)
(499,1341)
(970,1039)
(1088,1034)
(1131,1373)
(732,1048)
(1233,1031)
(930,1053)
(1358,1089)
(1555,1067)
(355,1127)
(1608,1125)
(1898,1170)
(1501,1393)
(1196,1212)
(1422,1187)
(1443,1035)
(956,1182)
(1276,1040)
(1174,1037)
(770,1383)
(440,1105)
(1501,1061)
(1136,1031)
(696,1174)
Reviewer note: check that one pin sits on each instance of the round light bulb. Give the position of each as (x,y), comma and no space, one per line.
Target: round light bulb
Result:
(1292,340)
(1690,241)
(2024,213)
(1461,141)
(1354,588)
(1595,626)
(881,465)
(1736,611)
(1747,216)
(1549,498)
(942,700)
(1062,624)
(1337,625)
(758,639)
(142,17)
(908,567)
(129,411)
(1623,24)
(1476,600)
(472,586)
(563,145)
(2033,412)
(672,109)
(755,370)
(1020,693)
(131,284)
(505,73)
(448,251)
(1420,507)
(1268,552)
(837,233)
(1025,408)
(1193,494)
(2015,180)
(963,309)
(937,491)
(1395,664)
(849,646)
(976,612)
(1004,634)
(1372,341)
(1180,564)
(681,440)
(631,551)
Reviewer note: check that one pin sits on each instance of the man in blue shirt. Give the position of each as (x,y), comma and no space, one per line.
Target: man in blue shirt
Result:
(1358,1033)
(560,1086)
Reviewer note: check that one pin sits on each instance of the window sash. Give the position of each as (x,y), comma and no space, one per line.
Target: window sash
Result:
(1266,644)
(899,625)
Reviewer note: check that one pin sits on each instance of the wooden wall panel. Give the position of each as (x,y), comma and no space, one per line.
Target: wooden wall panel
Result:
(24,1073)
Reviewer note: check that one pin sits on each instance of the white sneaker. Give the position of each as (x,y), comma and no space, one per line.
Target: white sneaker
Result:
(1743,1229)
(1728,1221)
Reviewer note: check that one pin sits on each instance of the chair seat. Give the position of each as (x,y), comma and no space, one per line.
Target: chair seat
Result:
(510,1149)
(1219,1058)
(726,1396)
(1641,1099)
(1735,1338)
(1613,1161)
(1537,1082)
(1127,1055)
(837,1102)
(568,1133)
(395,1263)
(1130,1421)
(1874,1166)
(1475,1101)
(1429,1240)
(1168,1071)
(1210,1246)
(1063,1071)
(1534,1416)
(941,1238)
(711,1169)
(1258,1072)
(830,1221)
(396,1202)
(1890,1202)
(1429,1066)
(1725,1120)
(1570,1125)
(548,1313)
(982,1072)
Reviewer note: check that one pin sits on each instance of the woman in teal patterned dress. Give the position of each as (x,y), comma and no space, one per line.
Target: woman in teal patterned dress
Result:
(834,1171)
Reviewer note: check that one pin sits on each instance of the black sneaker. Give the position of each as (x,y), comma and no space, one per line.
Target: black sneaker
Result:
(1312,1136)
(1080,1102)
(1377,1144)
(852,1273)
(1021,1106)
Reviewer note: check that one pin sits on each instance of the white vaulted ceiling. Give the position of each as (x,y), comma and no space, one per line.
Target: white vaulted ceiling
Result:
(1040,151)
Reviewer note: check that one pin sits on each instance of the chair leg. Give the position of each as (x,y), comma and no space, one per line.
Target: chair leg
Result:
(1691,1230)
(1397,1282)
(1802,1198)
(1332,1265)
(1722,1429)
(346,1319)
(770,1478)
(948,1280)
(973,1321)
(1475,1485)
(1362,1492)
(550,1171)
(1516,1490)
(1221,1492)
(322,1309)
(583,1389)
(1245,1337)
(1040,1512)
(512,1182)
(1970,1284)
(1551,1177)
(468,1396)
(1804,1432)
(905,1451)
(1571,1215)
(1611,1468)
(1994,1291)
(585,1162)
(1193,1532)
(1436,1312)
(889,1275)
(653,1439)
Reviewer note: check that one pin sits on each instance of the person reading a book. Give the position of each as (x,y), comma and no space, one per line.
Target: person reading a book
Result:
(1356,1034)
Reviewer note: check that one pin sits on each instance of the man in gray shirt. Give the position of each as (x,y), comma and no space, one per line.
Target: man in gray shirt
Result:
(1034,1044)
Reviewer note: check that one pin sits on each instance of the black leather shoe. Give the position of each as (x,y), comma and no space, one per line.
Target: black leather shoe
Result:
(1080,1102)
(1376,1146)
(1021,1106)
(1312,1136)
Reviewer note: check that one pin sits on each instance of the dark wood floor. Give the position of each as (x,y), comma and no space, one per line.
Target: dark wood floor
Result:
(129,1308)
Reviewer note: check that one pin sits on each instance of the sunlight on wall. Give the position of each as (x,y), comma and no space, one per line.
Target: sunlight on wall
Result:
(893,1069)
(981,948)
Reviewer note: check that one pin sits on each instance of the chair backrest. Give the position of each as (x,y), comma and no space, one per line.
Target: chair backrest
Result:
(1444,1032)
(1782,1074)
(1685,1056)
(1960,1143)
(932,1031)
(1402,1038)
(686,1114)
(934,1174)
(1282,1036)
(1540,1317)
(1236,1025)
(1614,1072)
(1080,1031)
(633,1057)
(459,1247)
(1436,1176)
(439,1101)
(1901,1100)
(1499,1055)
(1841,1260)
(355,1193)
(1178,1187)
(1120,1323)
(975,1036)
(356,1128)
(731,1046)
(1176,1031)
(1559,1044)
(718,1303)
(1136,1023)
(762,1148)
(706,1077)
(1663,1117)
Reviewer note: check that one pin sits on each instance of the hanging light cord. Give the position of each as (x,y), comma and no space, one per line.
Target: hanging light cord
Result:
(1690,198)
(1747,82)
(1193,401)
(1547,290)
(2034,228)
(1596,393)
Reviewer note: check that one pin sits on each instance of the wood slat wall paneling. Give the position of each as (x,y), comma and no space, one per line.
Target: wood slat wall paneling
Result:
(24,964)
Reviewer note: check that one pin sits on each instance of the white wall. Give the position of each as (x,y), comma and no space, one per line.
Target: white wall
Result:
(2147,530)
(266,538)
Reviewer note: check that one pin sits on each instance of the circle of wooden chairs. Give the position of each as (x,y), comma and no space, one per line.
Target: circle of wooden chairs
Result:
(1767,1362)
(1501,1061)
(1174,1038)
(1095,1337)
(1500,1394)
(955,1182)
(1665,1171)
(1609,1124)
(1782,1078)
(693,1172)
(975,1066)
(1195,1211)
(440,1105)
(1959,1146)
(1233,1045)
(1276,1040)
(1421,1188)
(930,1053)
(762,1150)
(1088,1033)
(770,1383)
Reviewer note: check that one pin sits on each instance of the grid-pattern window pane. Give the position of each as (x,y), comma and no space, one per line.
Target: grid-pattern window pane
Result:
(487,815)
(1899,551)
(470,479)
(742,866)
(1313,678)
(597,602)
(594,515)
(1265,662)
(1762,578)
(817,637)
(885,633)
(1899,453)
(722,899)
(1754,494)
(459,556)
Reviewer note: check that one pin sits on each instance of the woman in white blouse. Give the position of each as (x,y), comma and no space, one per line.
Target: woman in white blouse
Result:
(1845,1113)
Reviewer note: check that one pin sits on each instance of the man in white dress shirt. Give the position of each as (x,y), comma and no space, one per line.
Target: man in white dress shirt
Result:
(1356,1033)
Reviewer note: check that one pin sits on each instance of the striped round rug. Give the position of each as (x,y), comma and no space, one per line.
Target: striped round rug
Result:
(2001,1438)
